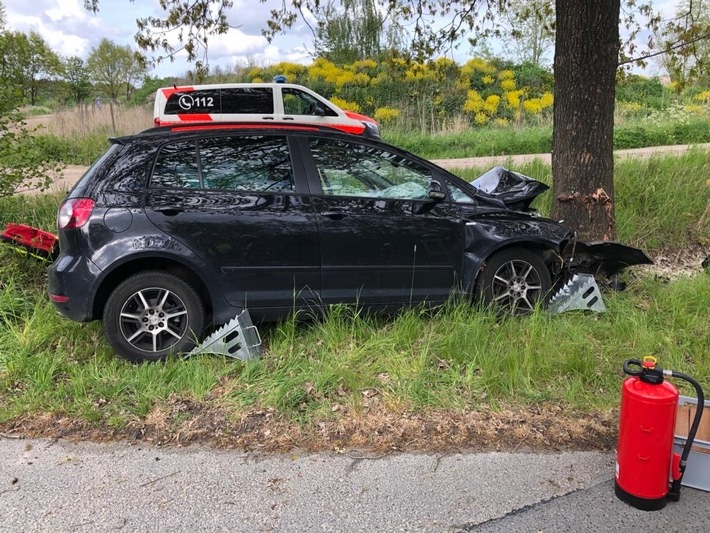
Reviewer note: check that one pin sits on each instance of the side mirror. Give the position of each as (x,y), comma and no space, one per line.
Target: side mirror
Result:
(319,111)
(435,191)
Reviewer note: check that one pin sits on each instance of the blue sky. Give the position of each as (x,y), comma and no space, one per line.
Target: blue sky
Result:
(72,31)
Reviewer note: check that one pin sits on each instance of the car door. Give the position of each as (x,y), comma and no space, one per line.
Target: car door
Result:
(238,202)
(382,239)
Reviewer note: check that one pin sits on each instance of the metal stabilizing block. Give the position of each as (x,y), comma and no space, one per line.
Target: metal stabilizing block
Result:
(581,292)
(238,339)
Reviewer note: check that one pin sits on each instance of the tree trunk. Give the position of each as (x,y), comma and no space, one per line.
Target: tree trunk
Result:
(586,59)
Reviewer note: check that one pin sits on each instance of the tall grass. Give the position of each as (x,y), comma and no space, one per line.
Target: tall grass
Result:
(79,136)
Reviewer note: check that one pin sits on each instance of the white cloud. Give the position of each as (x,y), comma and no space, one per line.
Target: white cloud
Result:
(70,9)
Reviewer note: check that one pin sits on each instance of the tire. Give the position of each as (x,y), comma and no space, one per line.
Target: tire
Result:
(514,281)
(138,322)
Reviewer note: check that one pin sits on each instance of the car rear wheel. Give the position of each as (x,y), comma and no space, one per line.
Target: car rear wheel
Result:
(151,315)
(514,280)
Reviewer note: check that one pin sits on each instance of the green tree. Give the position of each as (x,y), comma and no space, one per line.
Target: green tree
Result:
(350,30)
(21,163)
(27,62)
(114,69)
(42,66)
(685,44)
(77,77)
(531,27)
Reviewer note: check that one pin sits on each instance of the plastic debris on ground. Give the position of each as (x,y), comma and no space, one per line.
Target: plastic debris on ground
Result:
(35,242)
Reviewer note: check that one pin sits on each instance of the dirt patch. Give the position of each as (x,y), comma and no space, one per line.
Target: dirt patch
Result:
(671,264)
(62,181)
(181,422)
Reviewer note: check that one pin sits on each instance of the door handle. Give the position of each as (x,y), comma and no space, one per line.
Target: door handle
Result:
(334,215)
(267,118)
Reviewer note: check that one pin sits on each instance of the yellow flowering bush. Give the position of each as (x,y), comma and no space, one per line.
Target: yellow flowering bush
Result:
(507,85)
(386,115)
(477,65)
(532,106)
(491,104)
(419,71)
(512,99)
(324,69)
(702,97)
(424,95)
(364,64)
(474,102)
(344,104)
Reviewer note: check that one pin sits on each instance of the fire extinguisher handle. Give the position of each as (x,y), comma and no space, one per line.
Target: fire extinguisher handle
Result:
(633,362)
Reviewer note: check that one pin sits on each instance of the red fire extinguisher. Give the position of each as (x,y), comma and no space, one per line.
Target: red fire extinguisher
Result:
(648,472)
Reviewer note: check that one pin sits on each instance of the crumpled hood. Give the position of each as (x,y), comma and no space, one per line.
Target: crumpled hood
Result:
(513,189)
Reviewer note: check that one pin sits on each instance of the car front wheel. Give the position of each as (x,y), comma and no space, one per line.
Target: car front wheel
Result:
(152,314)
(514,280)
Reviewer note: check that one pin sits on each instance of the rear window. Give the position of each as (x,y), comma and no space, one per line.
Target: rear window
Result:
(98,166)
(246,100)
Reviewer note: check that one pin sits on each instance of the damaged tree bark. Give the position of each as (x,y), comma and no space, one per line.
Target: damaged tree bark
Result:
(586,60)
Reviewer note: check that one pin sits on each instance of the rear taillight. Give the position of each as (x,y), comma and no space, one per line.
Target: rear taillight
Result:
(156,122)
(74,213)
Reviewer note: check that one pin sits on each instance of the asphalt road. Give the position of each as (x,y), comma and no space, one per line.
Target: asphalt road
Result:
(60,486)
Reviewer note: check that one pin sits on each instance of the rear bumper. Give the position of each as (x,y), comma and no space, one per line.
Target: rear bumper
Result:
(72,287)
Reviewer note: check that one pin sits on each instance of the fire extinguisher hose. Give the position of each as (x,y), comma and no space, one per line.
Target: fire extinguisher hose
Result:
(674,493)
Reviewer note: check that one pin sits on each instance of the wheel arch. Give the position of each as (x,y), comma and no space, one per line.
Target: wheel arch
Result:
(143,264)
(550,252)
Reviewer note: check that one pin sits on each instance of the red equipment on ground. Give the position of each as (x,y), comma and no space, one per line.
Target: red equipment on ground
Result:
(36,242)
(645,461)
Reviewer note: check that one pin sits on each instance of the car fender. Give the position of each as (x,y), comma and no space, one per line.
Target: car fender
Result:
(485,236)
(152,252)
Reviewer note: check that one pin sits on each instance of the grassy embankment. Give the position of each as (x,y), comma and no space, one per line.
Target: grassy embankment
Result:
(454,360)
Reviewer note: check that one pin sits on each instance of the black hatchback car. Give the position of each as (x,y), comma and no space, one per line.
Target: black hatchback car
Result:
(180,227)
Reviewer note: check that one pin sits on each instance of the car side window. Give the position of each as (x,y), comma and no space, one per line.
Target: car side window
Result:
(351,169)
(250,163)
(243,100)
(458,195)
(247,100)
(298,102)
(176,167)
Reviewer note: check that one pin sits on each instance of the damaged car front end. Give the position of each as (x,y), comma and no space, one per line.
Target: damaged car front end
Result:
(518,282)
